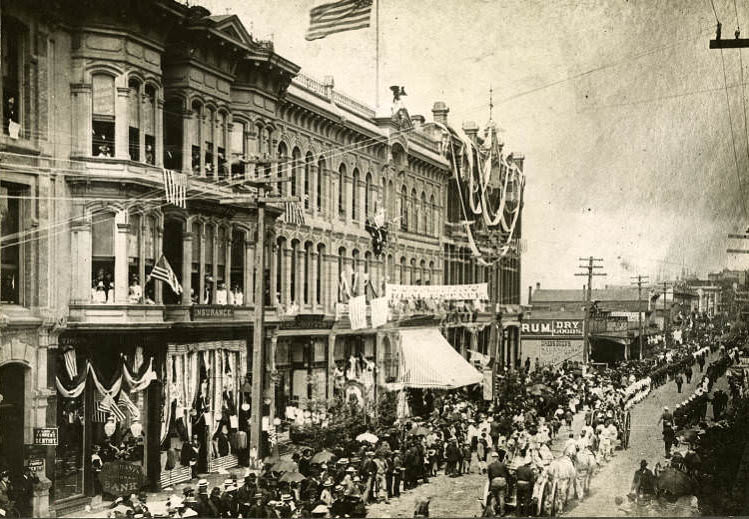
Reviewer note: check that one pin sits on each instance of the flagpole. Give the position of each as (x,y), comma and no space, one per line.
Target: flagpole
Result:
(377,56)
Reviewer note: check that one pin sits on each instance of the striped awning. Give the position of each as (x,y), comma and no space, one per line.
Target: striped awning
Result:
(429,361)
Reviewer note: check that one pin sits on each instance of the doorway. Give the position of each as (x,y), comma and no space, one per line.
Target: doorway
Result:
(12,378)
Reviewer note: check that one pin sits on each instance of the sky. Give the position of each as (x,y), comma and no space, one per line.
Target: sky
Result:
(619,107)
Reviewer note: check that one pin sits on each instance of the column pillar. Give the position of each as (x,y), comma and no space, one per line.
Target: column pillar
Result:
(158,147)
(140,96)
(214,159)
(227,259)
(313,189)
(227,145)
(201,141)
(186,267)
(187,118)
(286,275)
(249,271)
(81,254)
(201,268)
(214,264)
(82,108)
(300,276)
(159,238)
(312,284)
(334,280)
(273,251)
(331,365)
(120,258)
(121,131)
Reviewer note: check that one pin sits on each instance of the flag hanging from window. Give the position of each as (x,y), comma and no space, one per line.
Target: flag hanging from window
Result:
(70,363)
(175,188)
(293,213)
(343,15)
(163,272)
(128,405)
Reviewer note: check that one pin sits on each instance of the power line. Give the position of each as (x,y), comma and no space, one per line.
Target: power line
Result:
(589,271)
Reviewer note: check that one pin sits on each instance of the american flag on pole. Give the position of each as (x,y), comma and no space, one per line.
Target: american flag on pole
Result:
(163,272)
(108,405)
(343,15)
(293,213)
(357,312)
(175,188)
(98,416)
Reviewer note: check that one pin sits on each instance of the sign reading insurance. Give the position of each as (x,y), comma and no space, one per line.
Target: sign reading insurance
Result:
(552,327)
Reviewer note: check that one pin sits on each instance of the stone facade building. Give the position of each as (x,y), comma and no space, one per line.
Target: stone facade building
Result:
(100,99)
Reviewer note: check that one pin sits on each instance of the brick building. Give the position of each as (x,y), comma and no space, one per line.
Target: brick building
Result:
(99,99)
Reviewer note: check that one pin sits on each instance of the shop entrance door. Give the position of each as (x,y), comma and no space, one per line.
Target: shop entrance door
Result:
(11,418)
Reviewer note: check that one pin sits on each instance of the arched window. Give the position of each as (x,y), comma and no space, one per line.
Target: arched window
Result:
(133,112)
(16,87)
(294,267)
(414,211)
(431,273)
(221,145)
(390,207)
(238,148)
(367,196)
(353,279)
(390,269)
(403,209)
(195,132)
(102,118)
(173,132)
(296,171)
(319,273)
(341,271)
(102,255)
(341,191)
(319,184)
(402,271)
(433,222)
(209,134)
(280,270)
(422,273)
(149,123)
(308,161)
(237,266)
(413,278)
(283,155)
(355,194)
(384,197)
(307,273)
(424,213)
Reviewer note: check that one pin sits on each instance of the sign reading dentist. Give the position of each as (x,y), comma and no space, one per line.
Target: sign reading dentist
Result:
(552,327)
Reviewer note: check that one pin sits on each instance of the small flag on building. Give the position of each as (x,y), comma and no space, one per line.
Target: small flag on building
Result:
(357,312)
(343,15)
(175,188)
(163,272)
(294,213)
(98,415)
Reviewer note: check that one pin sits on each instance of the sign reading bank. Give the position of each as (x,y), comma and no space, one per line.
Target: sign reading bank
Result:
(552,327)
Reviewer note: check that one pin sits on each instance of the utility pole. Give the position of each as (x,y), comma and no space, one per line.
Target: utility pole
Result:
(259,354)
(639,281)
(589,269)
(666,313)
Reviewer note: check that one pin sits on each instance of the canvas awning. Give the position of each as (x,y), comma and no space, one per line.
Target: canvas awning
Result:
(429,361)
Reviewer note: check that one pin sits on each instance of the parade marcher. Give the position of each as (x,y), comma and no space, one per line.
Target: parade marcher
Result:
(498,476)
(525,480)
(669,438)
(679,381)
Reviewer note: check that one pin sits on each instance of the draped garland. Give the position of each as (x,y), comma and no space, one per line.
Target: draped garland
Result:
(135,381)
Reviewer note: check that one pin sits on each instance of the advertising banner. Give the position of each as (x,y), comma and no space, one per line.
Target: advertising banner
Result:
(471,292)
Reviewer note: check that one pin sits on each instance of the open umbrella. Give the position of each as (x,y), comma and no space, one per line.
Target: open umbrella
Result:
(290,477)
(367,437)
(674,482)
(539,389)
(324,456)
(285,466)
(419,430)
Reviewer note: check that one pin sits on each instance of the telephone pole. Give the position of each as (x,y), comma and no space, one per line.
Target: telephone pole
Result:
(639,280)
(259,353)
(589,269)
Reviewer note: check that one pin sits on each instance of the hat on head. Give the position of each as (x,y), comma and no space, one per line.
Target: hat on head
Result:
(320,509)
(187,490)
(286,497)
(250,477)
(357,479)
(228,482)
(643,464)
(258,495)
(350,469)
(343,461)
(495,454)
(328,482)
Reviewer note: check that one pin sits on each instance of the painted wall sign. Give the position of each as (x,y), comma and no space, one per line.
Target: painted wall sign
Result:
(552,327)
(210,312)
(45,436)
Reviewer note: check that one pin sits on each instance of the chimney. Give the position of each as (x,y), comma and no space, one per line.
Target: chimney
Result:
(530,294)
(471,129)
(439,112)
(538,286)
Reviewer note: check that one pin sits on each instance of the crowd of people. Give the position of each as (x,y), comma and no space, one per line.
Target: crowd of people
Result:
(510,442)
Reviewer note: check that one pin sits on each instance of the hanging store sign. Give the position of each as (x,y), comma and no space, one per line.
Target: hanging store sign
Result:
(471,292)
(45,435)
(552,327)
(211,312)
(308,322)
